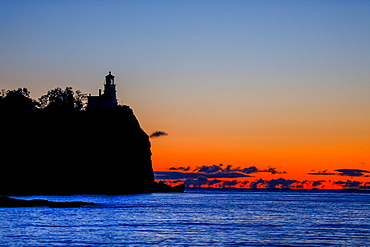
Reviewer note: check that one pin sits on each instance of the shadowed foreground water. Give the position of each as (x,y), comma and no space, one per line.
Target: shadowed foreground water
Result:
(195,218)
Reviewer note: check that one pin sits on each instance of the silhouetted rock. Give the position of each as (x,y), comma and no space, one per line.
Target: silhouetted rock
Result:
(12,202)
(59,152)
(54,147)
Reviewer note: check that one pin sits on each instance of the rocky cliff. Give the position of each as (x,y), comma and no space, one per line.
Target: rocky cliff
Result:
(75,152)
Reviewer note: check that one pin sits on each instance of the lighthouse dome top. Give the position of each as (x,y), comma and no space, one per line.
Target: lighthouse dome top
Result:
(109,79)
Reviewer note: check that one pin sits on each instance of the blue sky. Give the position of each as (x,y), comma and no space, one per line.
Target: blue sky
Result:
(202,39)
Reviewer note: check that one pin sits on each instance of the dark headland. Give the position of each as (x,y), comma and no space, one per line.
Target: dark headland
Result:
(16,203)
(59,145)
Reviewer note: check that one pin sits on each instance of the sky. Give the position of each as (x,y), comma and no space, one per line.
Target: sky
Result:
(282,84)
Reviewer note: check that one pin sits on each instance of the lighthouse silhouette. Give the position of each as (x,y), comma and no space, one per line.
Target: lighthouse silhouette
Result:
(106,100)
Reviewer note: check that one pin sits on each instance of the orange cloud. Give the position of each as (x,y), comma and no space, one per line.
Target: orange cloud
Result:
(221,176)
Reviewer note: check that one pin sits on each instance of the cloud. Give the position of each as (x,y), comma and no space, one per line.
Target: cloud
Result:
(216,171)
(198,182)
(273,184)
(249,170)
(185,175)
(255,185)
(220,176)
(352,184)
(229,168)
(214,181)
(202,180)
(324,172)
(175,175)
(185,169)
(158,134)
(272,170)
(317,183)
(281,182)
(342,172)
(340,182)
(352,172)
(219,172)
(210,169)
(365,186)
(229,183)
(223,180)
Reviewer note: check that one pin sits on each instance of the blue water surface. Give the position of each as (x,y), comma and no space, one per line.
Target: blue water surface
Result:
(199,217)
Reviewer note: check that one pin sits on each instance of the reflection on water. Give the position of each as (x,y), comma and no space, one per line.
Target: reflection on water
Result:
(196,218)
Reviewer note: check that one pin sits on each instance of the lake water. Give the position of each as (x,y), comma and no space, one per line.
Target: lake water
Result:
(199,217)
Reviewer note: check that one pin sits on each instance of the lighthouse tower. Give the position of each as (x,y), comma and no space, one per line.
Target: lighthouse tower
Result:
(110,87)
(106,100)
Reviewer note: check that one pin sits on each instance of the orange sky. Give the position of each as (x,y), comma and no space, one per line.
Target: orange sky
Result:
(291,154)
(296,155)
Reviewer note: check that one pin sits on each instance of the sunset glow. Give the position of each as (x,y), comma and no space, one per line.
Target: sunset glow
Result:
(281,84)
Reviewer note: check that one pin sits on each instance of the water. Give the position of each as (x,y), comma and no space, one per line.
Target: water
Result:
(195,218)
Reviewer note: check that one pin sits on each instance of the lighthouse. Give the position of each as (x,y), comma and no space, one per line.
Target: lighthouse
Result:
(106,100)
(110,87)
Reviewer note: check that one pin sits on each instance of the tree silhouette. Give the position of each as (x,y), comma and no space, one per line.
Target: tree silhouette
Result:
(80,100)
(17,100)
(63,100)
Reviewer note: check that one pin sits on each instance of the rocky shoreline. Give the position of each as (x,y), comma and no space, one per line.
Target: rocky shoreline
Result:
(7,202)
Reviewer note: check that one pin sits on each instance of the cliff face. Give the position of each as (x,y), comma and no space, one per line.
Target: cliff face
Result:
(93,152)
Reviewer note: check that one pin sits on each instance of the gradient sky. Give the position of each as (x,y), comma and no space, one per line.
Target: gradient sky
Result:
(248,83)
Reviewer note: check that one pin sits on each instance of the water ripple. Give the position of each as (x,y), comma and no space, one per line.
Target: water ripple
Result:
(195,218)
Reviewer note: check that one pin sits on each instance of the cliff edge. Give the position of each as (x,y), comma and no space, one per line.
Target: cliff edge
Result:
(101,151)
